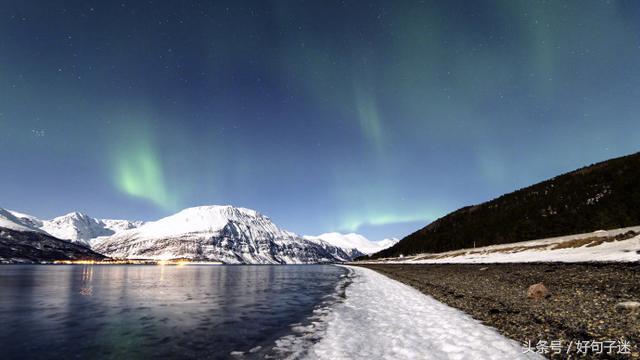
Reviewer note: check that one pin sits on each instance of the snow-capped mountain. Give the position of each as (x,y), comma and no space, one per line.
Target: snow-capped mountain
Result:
(219,233)
(21,240)
(79,227)
(349,242)
(75,226)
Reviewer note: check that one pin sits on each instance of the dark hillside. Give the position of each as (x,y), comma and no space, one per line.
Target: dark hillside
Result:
(35,247)
(605,195)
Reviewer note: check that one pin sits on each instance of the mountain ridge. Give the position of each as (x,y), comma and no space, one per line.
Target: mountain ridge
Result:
(217,232)
(604,195)
(211,232)
(75,226)
(351,241)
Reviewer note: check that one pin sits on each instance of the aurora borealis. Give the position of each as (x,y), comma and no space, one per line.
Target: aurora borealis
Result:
(368,116)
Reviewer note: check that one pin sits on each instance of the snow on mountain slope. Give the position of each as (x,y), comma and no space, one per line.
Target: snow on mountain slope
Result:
(205,219)
(120,225)
(27,219)
(387,243)
(75,226)
(217,233)
(354,241)
(9,220)
(22,241)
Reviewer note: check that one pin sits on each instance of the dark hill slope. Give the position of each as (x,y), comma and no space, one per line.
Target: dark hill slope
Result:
(601,196)
(34,247)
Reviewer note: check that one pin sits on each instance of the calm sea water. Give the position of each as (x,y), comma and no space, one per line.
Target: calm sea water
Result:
(135,312)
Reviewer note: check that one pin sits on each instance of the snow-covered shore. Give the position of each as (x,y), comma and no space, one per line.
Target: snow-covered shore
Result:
(385,319)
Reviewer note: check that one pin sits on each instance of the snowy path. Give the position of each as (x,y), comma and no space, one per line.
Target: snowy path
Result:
(385,319)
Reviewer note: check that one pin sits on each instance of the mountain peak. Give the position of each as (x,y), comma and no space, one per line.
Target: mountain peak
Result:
(223,210)
(212,232)
(73,215)
(205,219)
(75,226)
(217,232)
(353,241)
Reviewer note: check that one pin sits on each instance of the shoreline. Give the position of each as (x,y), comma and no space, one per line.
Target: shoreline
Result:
(381,318)
(581,305)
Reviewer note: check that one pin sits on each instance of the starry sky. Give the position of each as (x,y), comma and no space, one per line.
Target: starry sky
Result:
(367,116)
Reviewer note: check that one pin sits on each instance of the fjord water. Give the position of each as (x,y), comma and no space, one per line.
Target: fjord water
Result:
(137,311)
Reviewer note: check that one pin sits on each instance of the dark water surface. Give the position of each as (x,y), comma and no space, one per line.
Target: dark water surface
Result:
(135,312)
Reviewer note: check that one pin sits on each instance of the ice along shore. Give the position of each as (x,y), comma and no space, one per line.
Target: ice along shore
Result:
(583,304)
(382,318)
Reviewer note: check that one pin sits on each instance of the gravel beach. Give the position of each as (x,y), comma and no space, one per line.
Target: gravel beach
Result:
(581,304)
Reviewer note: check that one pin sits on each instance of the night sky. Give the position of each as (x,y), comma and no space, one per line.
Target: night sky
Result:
(374,117)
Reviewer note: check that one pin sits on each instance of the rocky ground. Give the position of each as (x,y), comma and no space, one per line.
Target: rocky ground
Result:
(583,302)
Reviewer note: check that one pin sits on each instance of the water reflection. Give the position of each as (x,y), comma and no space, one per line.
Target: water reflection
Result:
(87,276)
(134,312)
